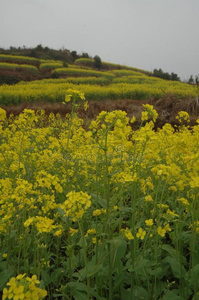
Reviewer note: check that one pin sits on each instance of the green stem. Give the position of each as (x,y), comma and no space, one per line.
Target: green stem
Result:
(85,257)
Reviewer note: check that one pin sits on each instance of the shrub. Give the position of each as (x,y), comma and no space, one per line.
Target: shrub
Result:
(97,62)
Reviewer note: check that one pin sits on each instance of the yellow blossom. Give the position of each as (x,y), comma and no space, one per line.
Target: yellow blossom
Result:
(58,233)
(18,292)
(141,233)
(183,201)
(148,198)
(7,293)
(72,231)
(133,119)
(128,234)
(167,227)
(97,212)
(90,231)
(149,222)
(161,231)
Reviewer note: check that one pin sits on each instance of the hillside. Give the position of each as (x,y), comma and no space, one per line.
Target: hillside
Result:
(35,82)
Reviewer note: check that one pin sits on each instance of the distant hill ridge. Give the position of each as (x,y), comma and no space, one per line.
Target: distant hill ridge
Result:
(46,61)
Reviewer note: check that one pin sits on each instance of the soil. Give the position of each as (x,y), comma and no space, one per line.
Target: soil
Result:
(167,108)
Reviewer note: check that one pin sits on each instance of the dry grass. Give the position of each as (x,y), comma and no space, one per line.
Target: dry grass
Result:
(167,108)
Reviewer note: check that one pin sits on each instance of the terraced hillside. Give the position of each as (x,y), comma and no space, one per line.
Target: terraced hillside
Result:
(44,83)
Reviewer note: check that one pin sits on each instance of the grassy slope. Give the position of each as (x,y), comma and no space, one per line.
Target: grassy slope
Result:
(168,106)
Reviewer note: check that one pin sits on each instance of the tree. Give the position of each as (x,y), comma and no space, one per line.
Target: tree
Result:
(97,62)
(85,55)
(39,48)
(165,75)
(191,80)
(74,55)
(175,77)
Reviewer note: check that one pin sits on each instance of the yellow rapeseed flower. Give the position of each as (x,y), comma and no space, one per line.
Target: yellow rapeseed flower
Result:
(90,231)
(149,222)
(161,231)
(7,293)
(97,212)
(148,198)
(2,114)
(72,231)
(128,234)
(18,292)
(183,201)
(141,233)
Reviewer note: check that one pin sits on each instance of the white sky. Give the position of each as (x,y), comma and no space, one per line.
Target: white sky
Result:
(146,34)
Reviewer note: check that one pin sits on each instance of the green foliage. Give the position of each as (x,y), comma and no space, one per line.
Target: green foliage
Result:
(81,72)
(88,62)
(74,55)
(40,52)
(191,80)
(123,72)
(74,201)
(18,59)
(97,62)
(94,89)
(165,75)
(51,66)
(18,67)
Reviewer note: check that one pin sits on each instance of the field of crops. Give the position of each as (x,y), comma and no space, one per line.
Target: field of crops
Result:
(97,210)
(94,88)
(18,67)
(101,211)
(19,59)
(122,83)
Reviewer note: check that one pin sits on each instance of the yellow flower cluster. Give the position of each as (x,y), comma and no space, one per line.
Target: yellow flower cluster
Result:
(2,115)
(76,204)
(24,287)
(127,233)
(94,89)
(75,96)
(149,111)
(67,188)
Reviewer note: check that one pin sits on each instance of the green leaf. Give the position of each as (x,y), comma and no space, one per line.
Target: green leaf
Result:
(6,272)
(196,296)
(172,296)
(91,270)
(140,266)
(195,254)
(80,295)
(169,249)
(56,275)
(77,286)
(57,295)
(61,211)
(137,293)
(118,253)
(119,278)
(155,272)
(101,201)
(80,289)
(195,275)
(12,234)
(45,277)
(178,270)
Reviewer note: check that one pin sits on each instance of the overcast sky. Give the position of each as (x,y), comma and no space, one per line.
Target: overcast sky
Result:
(146,34)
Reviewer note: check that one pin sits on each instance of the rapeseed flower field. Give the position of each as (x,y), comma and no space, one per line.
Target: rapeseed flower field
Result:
(98,211)
(113,84)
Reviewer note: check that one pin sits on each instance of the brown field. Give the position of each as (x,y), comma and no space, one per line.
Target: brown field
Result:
(167,108)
